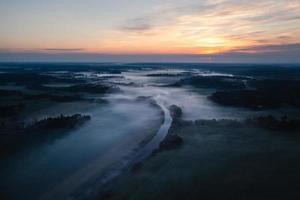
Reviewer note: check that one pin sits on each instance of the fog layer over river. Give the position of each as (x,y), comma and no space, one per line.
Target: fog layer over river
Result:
(58,168)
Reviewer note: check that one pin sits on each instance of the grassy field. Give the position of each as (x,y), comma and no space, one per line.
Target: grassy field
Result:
(218,161)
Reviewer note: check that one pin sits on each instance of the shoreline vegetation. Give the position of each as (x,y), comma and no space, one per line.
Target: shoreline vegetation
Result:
(266,94)
(16,136)
(253,93)
(172,140)
(269,122)
(23,92)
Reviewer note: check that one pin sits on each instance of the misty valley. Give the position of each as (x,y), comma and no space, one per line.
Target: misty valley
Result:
(149,131)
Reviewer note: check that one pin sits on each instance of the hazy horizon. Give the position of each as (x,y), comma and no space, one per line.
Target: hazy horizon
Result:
(150,58)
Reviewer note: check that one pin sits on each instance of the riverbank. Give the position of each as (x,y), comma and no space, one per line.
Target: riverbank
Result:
(218,159)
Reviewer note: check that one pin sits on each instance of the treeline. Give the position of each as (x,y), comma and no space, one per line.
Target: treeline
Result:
(265,94)
(15,135)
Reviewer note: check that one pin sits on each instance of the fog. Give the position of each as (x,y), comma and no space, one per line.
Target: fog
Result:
(99,150)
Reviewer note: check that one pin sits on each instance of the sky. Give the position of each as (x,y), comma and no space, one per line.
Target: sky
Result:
(150,30)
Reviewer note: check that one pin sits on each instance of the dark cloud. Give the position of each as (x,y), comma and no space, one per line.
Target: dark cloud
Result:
(137,25)
(62,49)
(164,16)
(272,48)
(284,37)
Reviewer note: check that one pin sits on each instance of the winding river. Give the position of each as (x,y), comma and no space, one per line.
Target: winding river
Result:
(93,169)
(161,134)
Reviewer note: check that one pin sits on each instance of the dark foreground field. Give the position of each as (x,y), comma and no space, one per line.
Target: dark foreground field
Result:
(217,159)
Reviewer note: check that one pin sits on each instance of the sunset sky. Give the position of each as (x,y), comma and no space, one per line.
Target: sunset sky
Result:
(143,30)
